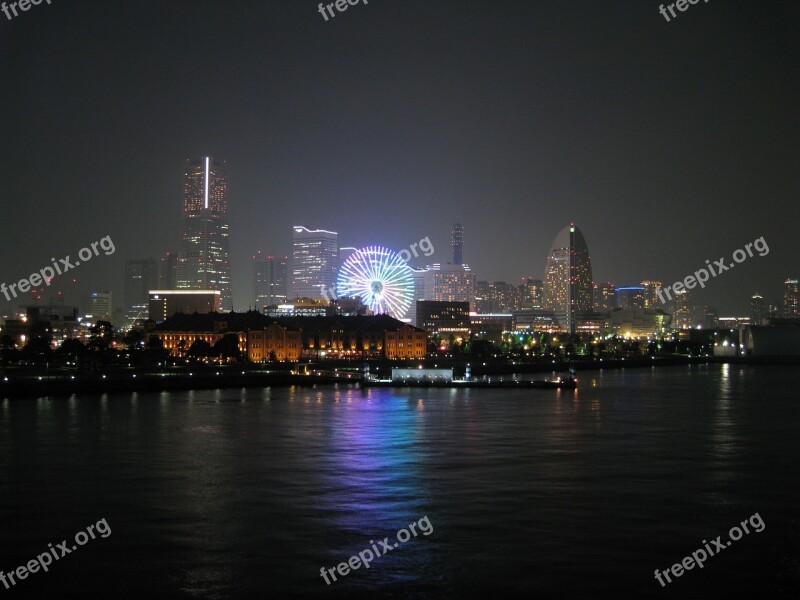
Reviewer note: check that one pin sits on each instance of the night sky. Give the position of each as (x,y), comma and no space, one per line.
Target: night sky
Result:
(667,143)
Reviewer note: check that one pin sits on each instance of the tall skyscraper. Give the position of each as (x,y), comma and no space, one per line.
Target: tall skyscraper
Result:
(168,271)
(315,261)
(791,299)
(758,310)
(269,280)
(141,276)
(568,278)
(458,244)
(204,253)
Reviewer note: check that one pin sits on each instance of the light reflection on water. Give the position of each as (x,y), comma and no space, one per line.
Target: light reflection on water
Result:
(230,493)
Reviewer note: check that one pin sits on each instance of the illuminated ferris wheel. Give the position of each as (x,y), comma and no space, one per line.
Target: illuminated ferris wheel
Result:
(380,277)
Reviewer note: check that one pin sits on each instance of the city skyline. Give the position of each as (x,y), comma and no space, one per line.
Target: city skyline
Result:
(527,147)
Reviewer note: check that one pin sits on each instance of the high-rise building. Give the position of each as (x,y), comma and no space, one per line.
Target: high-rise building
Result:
(791,299)
(682,311)
(710,317)
(758,310)
(498,297)
(98,307)
(345,252)
(604,296)
(651,299)
(168,271)
(532,295)
(141,276)
(450,283)
(458,244)
(630,297)
(420,277)
(204,249)
(315,261)
(568,278)
(482,297)
(269,280)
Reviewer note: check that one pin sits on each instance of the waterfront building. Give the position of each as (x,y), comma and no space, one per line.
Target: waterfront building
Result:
(293,338)
(204,246)
(568,278)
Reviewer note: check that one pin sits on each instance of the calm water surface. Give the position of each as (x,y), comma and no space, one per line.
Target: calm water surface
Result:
(531,493)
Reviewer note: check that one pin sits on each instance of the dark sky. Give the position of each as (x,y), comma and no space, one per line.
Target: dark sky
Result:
(667,143)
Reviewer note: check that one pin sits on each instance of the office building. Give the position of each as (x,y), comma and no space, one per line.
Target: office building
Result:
(450,283)
(314,264)
(204,252)
(98,307)
(651,299)
(168,272)
(791,299)
(491,327)
(532,293)
(420,277)
(165,303)
(457,243)
(141,276)
(269,280)
(758,310)
(605,296)
(682,311)
(630,297)
(568,278)
(444,319)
